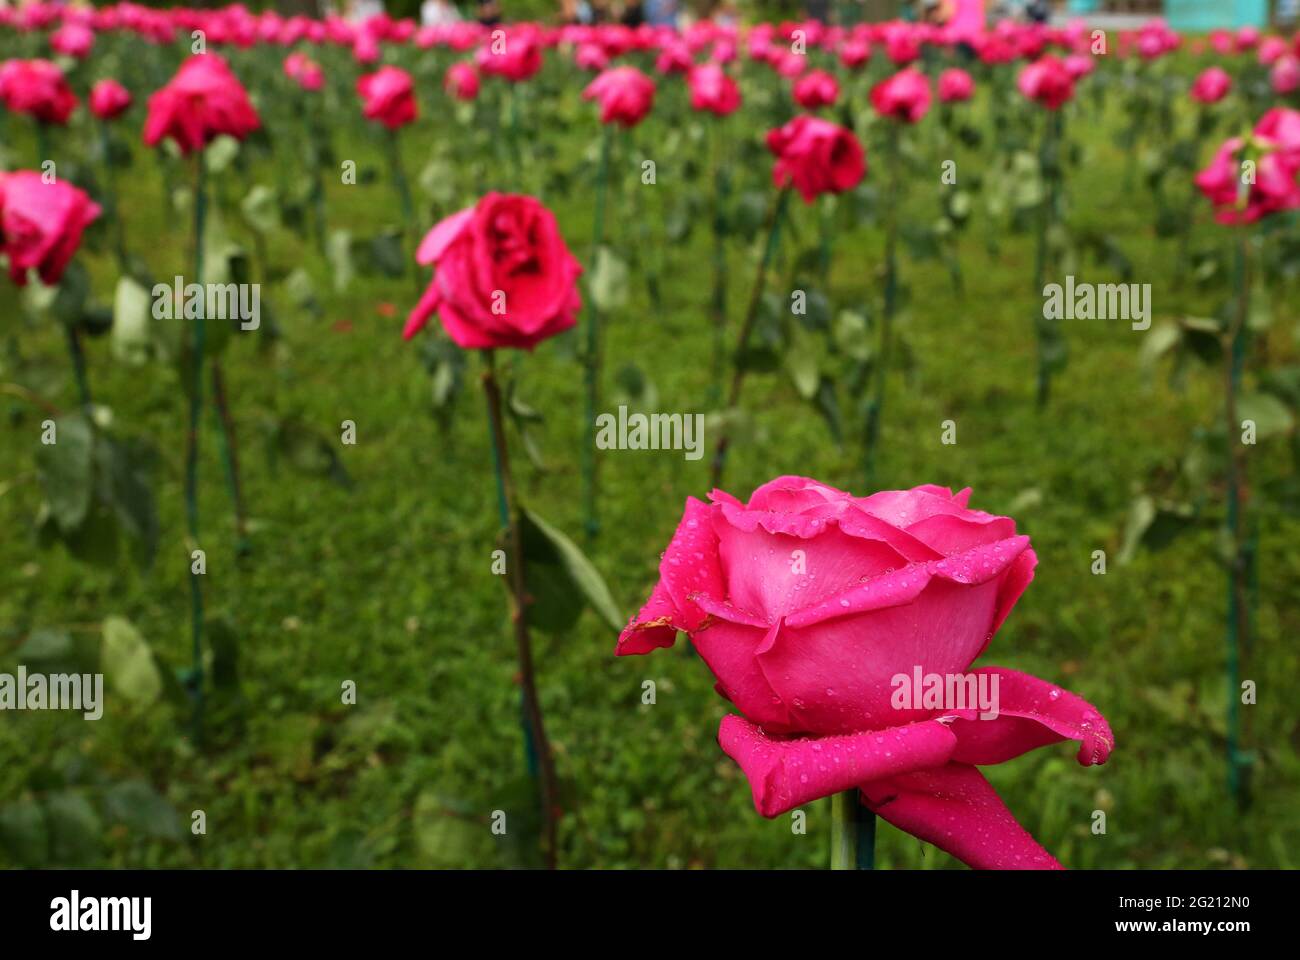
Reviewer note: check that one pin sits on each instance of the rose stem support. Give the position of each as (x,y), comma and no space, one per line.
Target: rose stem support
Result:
(230,457)
(853,832)
(591,358)
(110,195)
(876,405)
(1239,561)
(197,344)
(536,744)
(1048,160)
(719,301)
(775,214)
(404,195)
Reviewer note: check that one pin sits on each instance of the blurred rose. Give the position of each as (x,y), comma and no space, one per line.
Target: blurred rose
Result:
(388,96)
(815,157)
(713,90)
(1211,86)
(109,99)
(816,89)
(200,103)
(904,96)
(625,95)
(461,81)
(38,89)
(41,224)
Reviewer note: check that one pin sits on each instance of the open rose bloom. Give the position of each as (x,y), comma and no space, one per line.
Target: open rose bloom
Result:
(37,88)
(503,276)
(816,156)
(807,603)
(41,224)
(200,103)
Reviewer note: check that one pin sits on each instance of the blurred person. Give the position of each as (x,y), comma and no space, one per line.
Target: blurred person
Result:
(661,13)
(438,13)
(633,14)
(488,13)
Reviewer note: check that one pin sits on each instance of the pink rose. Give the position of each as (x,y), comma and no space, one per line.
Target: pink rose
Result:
(1211,86)
(1079,65)
(808,604)
(109,99)
(815,89)
(674,58)
(713,90)
(41,224)
(1275,186)
(815,157)
(591,56)
(37,88)
(855,53)
(1047,81)
(1285,75)
(200,103)
(625,95)
(1280,126)
(517,56)
(304,71)
(73,40)
(388,97)
(503,276)
(955,85)
(461,81)
(1271,50)
(904,96)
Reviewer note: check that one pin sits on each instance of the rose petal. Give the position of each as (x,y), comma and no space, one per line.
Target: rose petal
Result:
(784,774)
(957,810)
(1032,713)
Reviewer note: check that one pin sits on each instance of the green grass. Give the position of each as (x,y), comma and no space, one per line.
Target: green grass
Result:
(388,583)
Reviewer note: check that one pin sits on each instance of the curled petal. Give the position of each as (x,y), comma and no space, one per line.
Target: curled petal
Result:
(689,567)
(957,810)
(786,773)
(1032,713)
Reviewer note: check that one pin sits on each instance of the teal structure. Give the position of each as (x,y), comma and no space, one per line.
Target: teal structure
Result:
(1197,15)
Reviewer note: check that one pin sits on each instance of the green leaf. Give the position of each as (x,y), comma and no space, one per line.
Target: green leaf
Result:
(24,833)
(386,253)
(548,547)
(338,251)
(261,208)
(1272,417)
(221,153)
(142,810)
(66,469)
(132,337)
(128,662)
(801,363)
(74,828)
(608,281)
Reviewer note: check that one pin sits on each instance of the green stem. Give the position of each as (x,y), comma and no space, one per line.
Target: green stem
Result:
(591,359)
(853,832)
(192,451)
(1238,616)
(537,747)
(78,363)
(1045,330)
(876,406)
(719,264)
(110,197)
(775,214)
(230,457)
